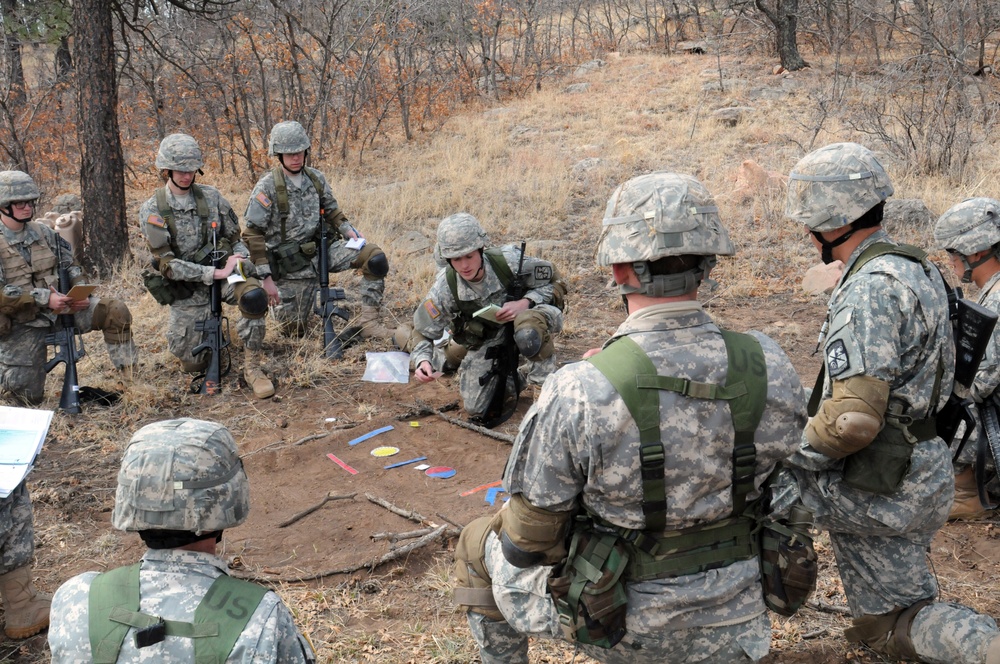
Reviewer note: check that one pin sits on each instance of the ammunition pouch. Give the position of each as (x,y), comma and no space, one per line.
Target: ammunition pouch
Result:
(166,291)
(589,588)
(204,255)
(472,333)
(881,466)
(20,309)
(290,257)
(788,564)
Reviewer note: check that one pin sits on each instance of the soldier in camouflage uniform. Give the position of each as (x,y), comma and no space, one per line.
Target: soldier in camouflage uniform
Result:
(970,233)
(181,223)
(31,254)
(282,230)
(578,454)
(462,249)
(180,485)
(871,466)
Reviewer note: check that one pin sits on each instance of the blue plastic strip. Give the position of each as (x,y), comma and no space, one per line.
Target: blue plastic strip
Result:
(404,463)
(370,434)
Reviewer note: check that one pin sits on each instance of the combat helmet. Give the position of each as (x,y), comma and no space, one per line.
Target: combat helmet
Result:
(658,215)
(834,186)
(968,228)
(179,152)
(458,235)
(181,475)
(287,138)
(17,187)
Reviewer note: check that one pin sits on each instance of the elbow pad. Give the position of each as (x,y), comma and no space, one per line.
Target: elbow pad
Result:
(851,418)
(531,535)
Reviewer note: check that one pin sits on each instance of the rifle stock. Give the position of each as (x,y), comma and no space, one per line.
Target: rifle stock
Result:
(327,306)
(215,338)
(69,347)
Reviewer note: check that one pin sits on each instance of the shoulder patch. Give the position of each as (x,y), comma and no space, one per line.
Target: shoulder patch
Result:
(543,273)
(431,309)
(155,220)
(263,199)
(837,361)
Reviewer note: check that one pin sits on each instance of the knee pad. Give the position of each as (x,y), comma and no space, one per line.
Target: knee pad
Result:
(473,585)
(115,319)
(195,366)
(251,300)
(372,261)
(888,634)
(454,353)
(532,336)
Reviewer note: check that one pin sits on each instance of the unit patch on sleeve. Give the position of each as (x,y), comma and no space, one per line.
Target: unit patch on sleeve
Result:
(837,361)
(263,199)
(432,310)
(155,220)
(543,273)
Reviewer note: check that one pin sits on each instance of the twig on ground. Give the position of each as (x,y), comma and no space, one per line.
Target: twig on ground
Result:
(819,605)
(282,444)
(306,512)
(454,523)
(468,425)
(423,410)
(395,537)
(416,517)
(814,634)
(391,555)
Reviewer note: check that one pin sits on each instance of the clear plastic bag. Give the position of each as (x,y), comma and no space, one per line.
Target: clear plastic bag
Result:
(393,367)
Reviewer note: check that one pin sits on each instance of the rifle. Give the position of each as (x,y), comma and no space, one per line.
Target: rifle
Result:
(216,328)
(69,345)
(326,306)
(972,329)
(505,359)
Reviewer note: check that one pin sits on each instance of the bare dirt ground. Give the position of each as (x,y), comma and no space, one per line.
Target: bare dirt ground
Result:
(400,611)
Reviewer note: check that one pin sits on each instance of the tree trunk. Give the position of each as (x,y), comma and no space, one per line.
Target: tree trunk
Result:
(783,16)
(102,168)
(15,68)
(64,60)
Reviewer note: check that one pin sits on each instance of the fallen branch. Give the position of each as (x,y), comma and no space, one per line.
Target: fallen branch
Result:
(395,537)
(416,517)
(819,605)
(423,410)
(468,425)
(390,556)
(306,512)
(442,516)
(282,444)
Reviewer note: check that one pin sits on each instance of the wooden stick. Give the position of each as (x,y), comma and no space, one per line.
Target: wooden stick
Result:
(306,512)
(395,537)
(423,410)
(390,556)
(819,605)
(468,425)
(282,444)
(406,514)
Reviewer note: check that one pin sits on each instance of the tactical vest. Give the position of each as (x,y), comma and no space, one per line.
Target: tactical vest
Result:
(219,620)
(41,273)
(203,255)
(653,552)
(466,329)
(923,429)
(281,195)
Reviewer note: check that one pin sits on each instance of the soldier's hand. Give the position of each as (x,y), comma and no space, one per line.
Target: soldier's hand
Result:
(227,269)
(425,373)
(510,310)
(591,352)
(273,297)
(822,278)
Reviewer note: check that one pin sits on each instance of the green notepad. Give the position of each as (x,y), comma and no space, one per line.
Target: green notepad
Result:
(489,312)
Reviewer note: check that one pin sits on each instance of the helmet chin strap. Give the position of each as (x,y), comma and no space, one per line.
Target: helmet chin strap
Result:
(827,252)
(305,158)
(174,182)
(667,285)
(969,267)
(10,213)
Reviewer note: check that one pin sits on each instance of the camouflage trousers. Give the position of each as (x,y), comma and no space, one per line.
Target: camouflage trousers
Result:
(881,544)
(299,298)
(183,337)
(475,396)
(17,533)
(23,354)
(522,596)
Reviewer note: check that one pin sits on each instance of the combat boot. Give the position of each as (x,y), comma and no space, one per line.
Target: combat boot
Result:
(26,609)
(967,504)
(255,377)
(401,337)
(370,322)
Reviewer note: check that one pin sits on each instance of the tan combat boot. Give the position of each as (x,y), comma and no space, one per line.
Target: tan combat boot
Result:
(255,376)
(966,503)
(370,322)
(26,609)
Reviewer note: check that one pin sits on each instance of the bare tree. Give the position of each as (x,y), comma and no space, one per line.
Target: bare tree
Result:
(783,15)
